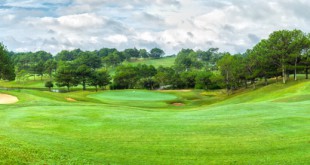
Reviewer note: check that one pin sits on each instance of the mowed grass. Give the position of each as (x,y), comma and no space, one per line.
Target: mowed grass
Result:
(24,84)
(133,95)
(263,126)
(135,98)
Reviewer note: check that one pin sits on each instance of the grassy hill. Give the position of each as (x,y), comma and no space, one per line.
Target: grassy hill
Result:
(269,125)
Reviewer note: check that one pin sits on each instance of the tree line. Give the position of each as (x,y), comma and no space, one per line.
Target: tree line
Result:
(283,53)
(91,68)
(75,67)
(41,62)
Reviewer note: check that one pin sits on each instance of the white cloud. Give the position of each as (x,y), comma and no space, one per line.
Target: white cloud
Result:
(170,24)
(117,39)
(9,17)
(147,36)
(80,21)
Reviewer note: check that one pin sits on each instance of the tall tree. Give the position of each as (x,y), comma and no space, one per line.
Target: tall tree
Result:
(66,76)
(50,67)
(113,59)
(6,65)
(105,52)
(126,77)
(146,71)
(187,59)
(285,47)
(203,79)
(297,46)
(306,57)
(164,75)
(83,74)
(99,78)
(131,53)
(40,68)
(143,53)
(157,53)
(259,64)
(189,79)
(66,55)
(207,55)
(148,83)
(90,59)
(226,65)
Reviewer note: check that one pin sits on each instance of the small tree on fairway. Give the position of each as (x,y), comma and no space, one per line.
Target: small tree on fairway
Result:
(49,85)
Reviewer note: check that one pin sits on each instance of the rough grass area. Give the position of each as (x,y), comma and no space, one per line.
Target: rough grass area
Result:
(269,125)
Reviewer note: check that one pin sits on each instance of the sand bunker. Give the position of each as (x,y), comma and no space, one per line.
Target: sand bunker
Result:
(70,99)
(7,99)
(178,104)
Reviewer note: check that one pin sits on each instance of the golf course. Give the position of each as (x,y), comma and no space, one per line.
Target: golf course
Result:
(164,82)
(268,125)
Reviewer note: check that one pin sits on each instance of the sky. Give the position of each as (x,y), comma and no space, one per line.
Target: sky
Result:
(230,25)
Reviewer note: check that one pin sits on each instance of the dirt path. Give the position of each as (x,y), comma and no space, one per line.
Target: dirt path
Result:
(7,99)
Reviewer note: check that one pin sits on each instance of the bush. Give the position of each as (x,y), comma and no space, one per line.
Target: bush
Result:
(49,85)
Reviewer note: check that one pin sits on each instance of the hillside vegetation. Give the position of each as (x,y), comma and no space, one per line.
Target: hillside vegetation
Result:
(165,61)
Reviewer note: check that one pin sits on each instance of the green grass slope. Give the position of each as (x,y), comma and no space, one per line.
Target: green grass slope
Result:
(270,125)
(24,84)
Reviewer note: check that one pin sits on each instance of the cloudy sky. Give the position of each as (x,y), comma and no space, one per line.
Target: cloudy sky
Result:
(231,25)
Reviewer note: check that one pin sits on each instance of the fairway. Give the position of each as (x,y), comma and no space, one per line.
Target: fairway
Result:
(133,95)
(253,127)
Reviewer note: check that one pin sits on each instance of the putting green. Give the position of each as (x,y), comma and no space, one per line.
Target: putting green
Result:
(133,95)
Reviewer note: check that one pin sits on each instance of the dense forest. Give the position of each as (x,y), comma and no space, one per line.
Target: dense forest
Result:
(284,53)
